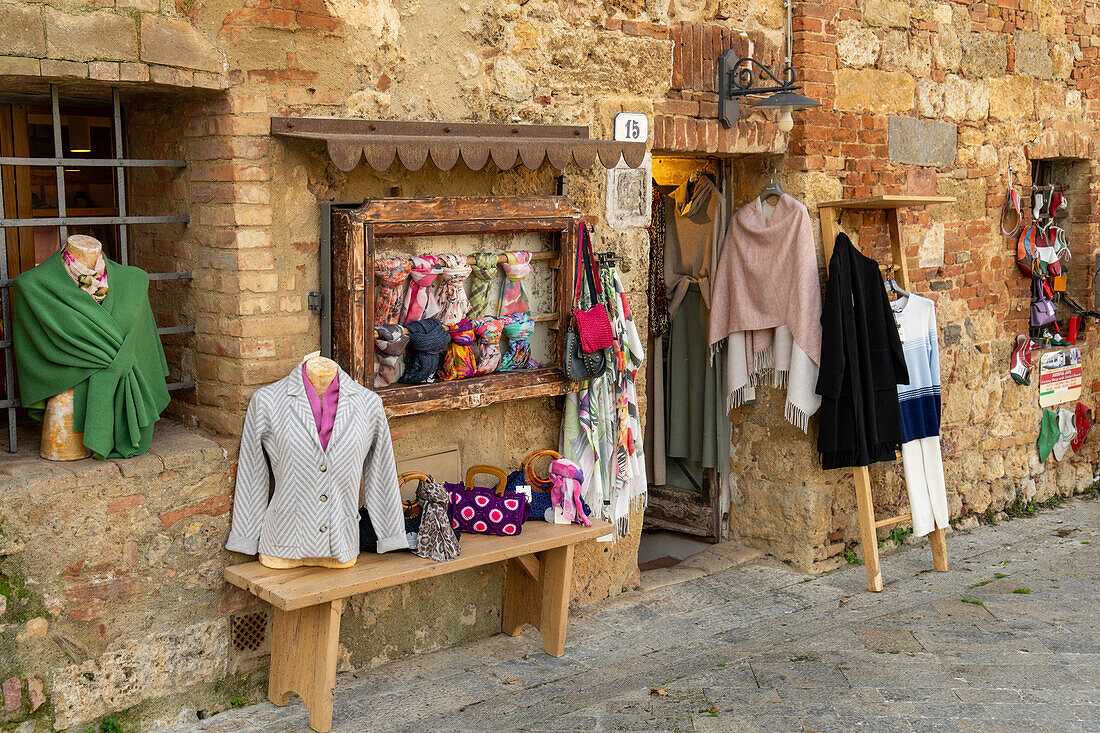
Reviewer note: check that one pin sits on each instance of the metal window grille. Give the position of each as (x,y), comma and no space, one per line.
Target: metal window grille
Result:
(59,162)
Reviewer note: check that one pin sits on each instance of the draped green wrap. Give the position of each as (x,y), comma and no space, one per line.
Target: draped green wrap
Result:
(110,353)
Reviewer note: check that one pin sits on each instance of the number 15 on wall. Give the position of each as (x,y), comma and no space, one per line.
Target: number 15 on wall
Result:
(631,127)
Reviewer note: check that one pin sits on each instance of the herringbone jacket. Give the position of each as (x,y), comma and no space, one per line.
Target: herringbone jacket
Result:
(314,508)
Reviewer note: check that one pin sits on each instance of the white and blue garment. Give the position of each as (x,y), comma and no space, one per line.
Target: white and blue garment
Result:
(922,458)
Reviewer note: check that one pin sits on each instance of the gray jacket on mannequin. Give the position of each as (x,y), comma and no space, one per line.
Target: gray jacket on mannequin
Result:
(314,508)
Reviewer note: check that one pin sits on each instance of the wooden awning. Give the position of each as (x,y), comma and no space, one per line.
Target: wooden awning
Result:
(380,141)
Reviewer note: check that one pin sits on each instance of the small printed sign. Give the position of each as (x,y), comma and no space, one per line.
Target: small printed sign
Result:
(1059,377)
(631,127)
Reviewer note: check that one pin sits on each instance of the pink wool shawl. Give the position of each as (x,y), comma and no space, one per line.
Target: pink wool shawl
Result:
(767,277)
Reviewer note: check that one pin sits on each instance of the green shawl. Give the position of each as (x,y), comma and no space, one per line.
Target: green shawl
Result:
(110,353)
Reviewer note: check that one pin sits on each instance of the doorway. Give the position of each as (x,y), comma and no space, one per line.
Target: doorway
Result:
(687,436)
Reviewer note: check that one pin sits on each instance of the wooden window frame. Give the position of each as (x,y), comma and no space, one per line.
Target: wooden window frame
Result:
(354,290)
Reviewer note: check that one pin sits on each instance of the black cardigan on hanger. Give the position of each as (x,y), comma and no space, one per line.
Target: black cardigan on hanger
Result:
(861,365)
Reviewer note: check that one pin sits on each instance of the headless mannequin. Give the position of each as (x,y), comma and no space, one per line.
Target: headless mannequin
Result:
(320,372)
(60,440)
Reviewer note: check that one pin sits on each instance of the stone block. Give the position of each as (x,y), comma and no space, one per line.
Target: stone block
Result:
(101,35)
(18,66)
(871,90)
(21,30)
(1011,98)
(51,67)
(856,44)
(13,695)
(984,55)
(930,247)
(1033,56)
(886,13)
(915,141)
(970,196)
(947,50)
(175,42)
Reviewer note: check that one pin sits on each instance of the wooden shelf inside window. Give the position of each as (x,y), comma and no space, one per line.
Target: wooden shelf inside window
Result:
(354,290)
(401,400)
(887,202)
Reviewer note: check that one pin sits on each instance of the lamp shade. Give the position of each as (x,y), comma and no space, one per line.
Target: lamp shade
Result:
(790,100)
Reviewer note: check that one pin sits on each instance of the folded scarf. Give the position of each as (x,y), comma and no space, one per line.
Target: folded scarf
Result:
(513,294)
(485,265)
(766,300)
(458,362)
(427,339)
(392,274)
(436,538)
(517,329)
(391,342)
(453,302)
(420,301)
(489,332)
(565,490)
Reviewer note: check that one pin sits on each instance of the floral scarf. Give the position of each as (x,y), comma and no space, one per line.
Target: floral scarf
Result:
(420,301)
(518,329)
(453,302)
(513,294)
(489,331)
(458,361)
(392,274)
(92,281)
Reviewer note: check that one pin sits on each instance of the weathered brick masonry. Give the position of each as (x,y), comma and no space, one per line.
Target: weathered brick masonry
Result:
(111,576)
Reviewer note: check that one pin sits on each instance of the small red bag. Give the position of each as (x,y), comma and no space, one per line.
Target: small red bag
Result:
(593,325)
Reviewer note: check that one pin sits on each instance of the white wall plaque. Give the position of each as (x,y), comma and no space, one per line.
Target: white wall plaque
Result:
(629,191)
(632,127)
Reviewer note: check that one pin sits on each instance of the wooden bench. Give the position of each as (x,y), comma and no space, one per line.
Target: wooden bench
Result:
(307,601)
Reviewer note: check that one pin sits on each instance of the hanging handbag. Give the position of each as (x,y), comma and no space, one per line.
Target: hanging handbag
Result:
(1042,307)
(487,511)
(585,358)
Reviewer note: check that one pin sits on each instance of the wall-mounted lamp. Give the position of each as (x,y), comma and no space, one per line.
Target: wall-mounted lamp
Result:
(737,78)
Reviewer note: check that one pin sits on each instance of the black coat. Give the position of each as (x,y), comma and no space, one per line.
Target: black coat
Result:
(862,363)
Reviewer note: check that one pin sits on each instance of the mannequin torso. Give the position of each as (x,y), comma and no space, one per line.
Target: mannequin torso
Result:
(60,440)
(320,372)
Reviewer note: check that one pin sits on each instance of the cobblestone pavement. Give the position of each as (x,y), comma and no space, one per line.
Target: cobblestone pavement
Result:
(1008,640)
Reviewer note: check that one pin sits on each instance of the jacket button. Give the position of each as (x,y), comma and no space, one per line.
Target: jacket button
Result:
(323,468)
(324,497)
(324,528)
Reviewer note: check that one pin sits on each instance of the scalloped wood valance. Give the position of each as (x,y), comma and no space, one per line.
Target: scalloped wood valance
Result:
(412,143)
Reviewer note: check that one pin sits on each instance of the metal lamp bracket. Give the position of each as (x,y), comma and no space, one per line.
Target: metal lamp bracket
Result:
(737,78)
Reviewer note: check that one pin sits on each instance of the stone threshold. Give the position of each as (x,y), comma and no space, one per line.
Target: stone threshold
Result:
(714,559)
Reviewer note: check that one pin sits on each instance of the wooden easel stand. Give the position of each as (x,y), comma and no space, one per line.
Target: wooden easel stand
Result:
(868,525)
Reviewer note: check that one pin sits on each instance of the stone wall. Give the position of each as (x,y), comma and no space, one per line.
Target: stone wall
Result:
(918,97)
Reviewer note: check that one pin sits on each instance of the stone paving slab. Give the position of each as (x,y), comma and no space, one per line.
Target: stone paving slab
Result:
(755,646)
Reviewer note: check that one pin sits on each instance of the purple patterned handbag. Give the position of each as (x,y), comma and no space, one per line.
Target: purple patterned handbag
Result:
(485,511)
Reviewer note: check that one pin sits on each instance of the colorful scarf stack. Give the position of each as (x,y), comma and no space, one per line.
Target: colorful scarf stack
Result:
(420,301)
(453,302)
(391,342)
(517,329)
(513,295)
(565,490)
(92,281)
(489,331)
(436,539)
(458,362)
(485,264)
(427,338)
(392,274)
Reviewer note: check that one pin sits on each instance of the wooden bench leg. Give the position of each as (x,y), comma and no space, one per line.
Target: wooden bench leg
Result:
(541,601)
(939,549)
(304,644)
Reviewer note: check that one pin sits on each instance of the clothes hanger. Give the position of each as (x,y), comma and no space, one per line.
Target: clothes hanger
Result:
(892,285)
(771,189)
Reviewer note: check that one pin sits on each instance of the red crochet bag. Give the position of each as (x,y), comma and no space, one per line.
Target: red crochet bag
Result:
(593,325)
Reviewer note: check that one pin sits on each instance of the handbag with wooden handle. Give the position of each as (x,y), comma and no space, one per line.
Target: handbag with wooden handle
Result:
(540,486)
(487,511)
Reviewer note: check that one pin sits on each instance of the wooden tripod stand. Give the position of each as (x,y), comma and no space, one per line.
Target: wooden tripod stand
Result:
(868,525)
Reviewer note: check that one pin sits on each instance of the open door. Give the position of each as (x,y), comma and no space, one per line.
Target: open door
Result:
(687,433)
